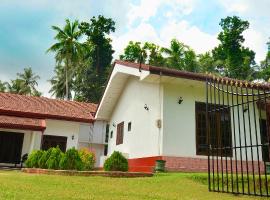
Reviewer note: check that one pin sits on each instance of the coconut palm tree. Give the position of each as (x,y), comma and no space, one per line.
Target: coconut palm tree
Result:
(28,80)
(17,87)
(58,88)
(175,54)
(68,50)
(2,86)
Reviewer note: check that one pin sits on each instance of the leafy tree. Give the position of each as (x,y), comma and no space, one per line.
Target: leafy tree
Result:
(265,65)
(134,52)
(16,86)
(154,54)
(97,57)
(96,32)
(2,86)
(180,56)
(68,50)
(206,62)
(234,59)
(28,81)
(58,83)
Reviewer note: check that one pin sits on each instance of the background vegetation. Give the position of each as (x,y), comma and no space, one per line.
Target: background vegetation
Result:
(84,53)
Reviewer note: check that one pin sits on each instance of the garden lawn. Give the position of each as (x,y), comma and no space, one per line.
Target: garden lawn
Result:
(18,185)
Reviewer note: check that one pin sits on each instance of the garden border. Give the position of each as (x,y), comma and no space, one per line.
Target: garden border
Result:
(87,173)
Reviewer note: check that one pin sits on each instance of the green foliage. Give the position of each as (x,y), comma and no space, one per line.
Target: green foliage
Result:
(71,160)
(2,86)
(235,60)
(265,66)
(54,158)
(134,52)
(25,83)
(33,159)
(67,51)
(88,158)
(207,62)
(116,162)
(42,163)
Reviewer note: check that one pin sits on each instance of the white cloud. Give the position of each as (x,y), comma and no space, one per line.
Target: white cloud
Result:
(256,41)
(149,8)
(143,33)
(190,35)
(183,31)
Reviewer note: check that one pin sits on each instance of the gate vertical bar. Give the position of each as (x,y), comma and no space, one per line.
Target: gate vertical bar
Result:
(224,131)
(215,129)
(251,143)
(256,137)
(245,136)
(234,134)
(219,136)
(267,134)
(239,135)
(207,132)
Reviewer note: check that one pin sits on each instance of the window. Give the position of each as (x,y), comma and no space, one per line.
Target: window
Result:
(265,149)
(107,133)
(219,126)
(120,133)
(111,134)
(106,150)
(129,126)
(49,141)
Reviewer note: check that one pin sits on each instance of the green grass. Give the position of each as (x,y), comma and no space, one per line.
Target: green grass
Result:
(18,185)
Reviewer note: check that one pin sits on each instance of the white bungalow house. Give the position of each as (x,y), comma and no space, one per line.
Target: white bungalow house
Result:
(153,113)
(28,123)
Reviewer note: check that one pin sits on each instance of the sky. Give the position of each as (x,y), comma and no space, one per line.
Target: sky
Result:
(26,34)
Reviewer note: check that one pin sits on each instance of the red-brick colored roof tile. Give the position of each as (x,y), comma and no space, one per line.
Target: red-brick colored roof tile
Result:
(45,108)
(11,122)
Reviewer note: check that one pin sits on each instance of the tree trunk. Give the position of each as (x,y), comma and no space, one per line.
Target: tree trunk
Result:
(67,96)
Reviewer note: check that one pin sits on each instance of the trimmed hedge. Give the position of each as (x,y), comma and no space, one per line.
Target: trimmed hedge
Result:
(54,158)
(116,162)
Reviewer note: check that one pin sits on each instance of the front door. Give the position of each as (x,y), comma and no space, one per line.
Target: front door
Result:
(10,147)
(49,141)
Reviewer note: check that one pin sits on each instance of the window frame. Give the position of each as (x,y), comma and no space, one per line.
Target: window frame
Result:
(217,124)
(120,133)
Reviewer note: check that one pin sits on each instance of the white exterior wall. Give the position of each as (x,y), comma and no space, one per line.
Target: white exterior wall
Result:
(64,128)
(179,125)
(143,139)
(179,128)
(92,136)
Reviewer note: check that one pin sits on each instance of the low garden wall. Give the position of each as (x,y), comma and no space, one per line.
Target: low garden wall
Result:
(86,173)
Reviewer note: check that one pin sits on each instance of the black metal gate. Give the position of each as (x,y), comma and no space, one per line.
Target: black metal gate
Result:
(237,126)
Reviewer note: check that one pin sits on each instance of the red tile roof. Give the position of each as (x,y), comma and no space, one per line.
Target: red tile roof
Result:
(45,108)
(11,122)
(185,74)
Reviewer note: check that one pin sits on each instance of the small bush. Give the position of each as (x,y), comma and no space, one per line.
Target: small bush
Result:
(116,162)
(54,158)
(33,159)
(43,159)
(88,158)
(71,160)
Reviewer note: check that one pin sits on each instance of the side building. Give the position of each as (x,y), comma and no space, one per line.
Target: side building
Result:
(28,123)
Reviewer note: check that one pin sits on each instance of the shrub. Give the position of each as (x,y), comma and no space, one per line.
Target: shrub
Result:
(33,158)
(71,160)
(116,162)
(54,158)
(88,158)
(43,159)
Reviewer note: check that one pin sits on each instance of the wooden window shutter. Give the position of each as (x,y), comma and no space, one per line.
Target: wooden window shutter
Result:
(120,133)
